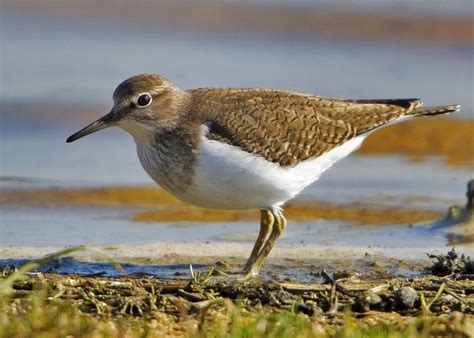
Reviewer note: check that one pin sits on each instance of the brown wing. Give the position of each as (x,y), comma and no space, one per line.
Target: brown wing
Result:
(286,127)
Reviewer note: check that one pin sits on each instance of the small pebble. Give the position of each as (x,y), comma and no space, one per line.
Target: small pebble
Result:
(406,296)
(366,301)
(307,309)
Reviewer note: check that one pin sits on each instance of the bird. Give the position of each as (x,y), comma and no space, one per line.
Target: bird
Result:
(244,148)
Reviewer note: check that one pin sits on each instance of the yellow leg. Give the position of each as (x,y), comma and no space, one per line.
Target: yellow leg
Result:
(278,227)
(266,222)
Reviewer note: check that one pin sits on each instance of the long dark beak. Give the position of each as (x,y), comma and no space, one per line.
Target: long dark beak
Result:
(102,123)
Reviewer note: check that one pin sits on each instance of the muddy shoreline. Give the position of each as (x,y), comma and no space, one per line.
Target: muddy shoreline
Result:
(442,298)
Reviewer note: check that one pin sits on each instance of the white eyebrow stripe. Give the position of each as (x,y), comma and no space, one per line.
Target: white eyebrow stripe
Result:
(156,91)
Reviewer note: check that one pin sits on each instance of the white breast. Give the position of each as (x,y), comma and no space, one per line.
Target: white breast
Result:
(227,177)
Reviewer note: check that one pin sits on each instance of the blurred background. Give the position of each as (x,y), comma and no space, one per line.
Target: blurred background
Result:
(61,61)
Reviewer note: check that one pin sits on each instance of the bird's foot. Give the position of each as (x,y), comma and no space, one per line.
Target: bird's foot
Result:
(234,274)
(226,271)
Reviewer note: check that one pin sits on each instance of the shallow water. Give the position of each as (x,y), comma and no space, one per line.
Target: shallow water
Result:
(42,227)
(69,265)
(304,273)
(65,61)
(68,60)
(39,157)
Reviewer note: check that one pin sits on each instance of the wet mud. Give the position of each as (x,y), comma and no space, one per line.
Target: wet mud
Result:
(445,291)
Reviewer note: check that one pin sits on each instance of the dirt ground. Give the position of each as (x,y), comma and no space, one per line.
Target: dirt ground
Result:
(444,293)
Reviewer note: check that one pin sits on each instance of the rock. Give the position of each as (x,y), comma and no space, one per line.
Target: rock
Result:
(307,309)
(366,301)
(406,297)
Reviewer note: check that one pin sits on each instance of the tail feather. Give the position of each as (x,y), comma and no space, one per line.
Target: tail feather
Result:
(438,110)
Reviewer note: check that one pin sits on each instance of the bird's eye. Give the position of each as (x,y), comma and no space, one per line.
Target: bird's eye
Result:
(144,100)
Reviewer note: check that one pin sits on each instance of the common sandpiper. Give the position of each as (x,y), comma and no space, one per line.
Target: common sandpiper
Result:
(244,148)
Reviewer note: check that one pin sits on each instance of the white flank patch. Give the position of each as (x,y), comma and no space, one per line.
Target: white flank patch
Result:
(229,178)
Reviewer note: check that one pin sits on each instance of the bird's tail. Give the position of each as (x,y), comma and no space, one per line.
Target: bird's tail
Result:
(431,111)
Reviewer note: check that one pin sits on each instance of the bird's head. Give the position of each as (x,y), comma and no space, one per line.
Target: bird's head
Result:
(143,104)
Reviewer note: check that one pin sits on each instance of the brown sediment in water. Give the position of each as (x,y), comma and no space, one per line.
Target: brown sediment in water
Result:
(452,139)
(165,208)
(297,212)
(110,196)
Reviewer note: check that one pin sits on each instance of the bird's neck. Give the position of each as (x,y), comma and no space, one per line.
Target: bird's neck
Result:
(169,157)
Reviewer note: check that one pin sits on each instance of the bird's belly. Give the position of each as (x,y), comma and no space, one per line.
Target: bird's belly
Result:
(226,177)
(236,181)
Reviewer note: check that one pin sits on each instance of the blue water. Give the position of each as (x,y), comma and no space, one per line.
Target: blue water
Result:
(73,61)
(425,7)
(69,62)
(36,155)
(69,265)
